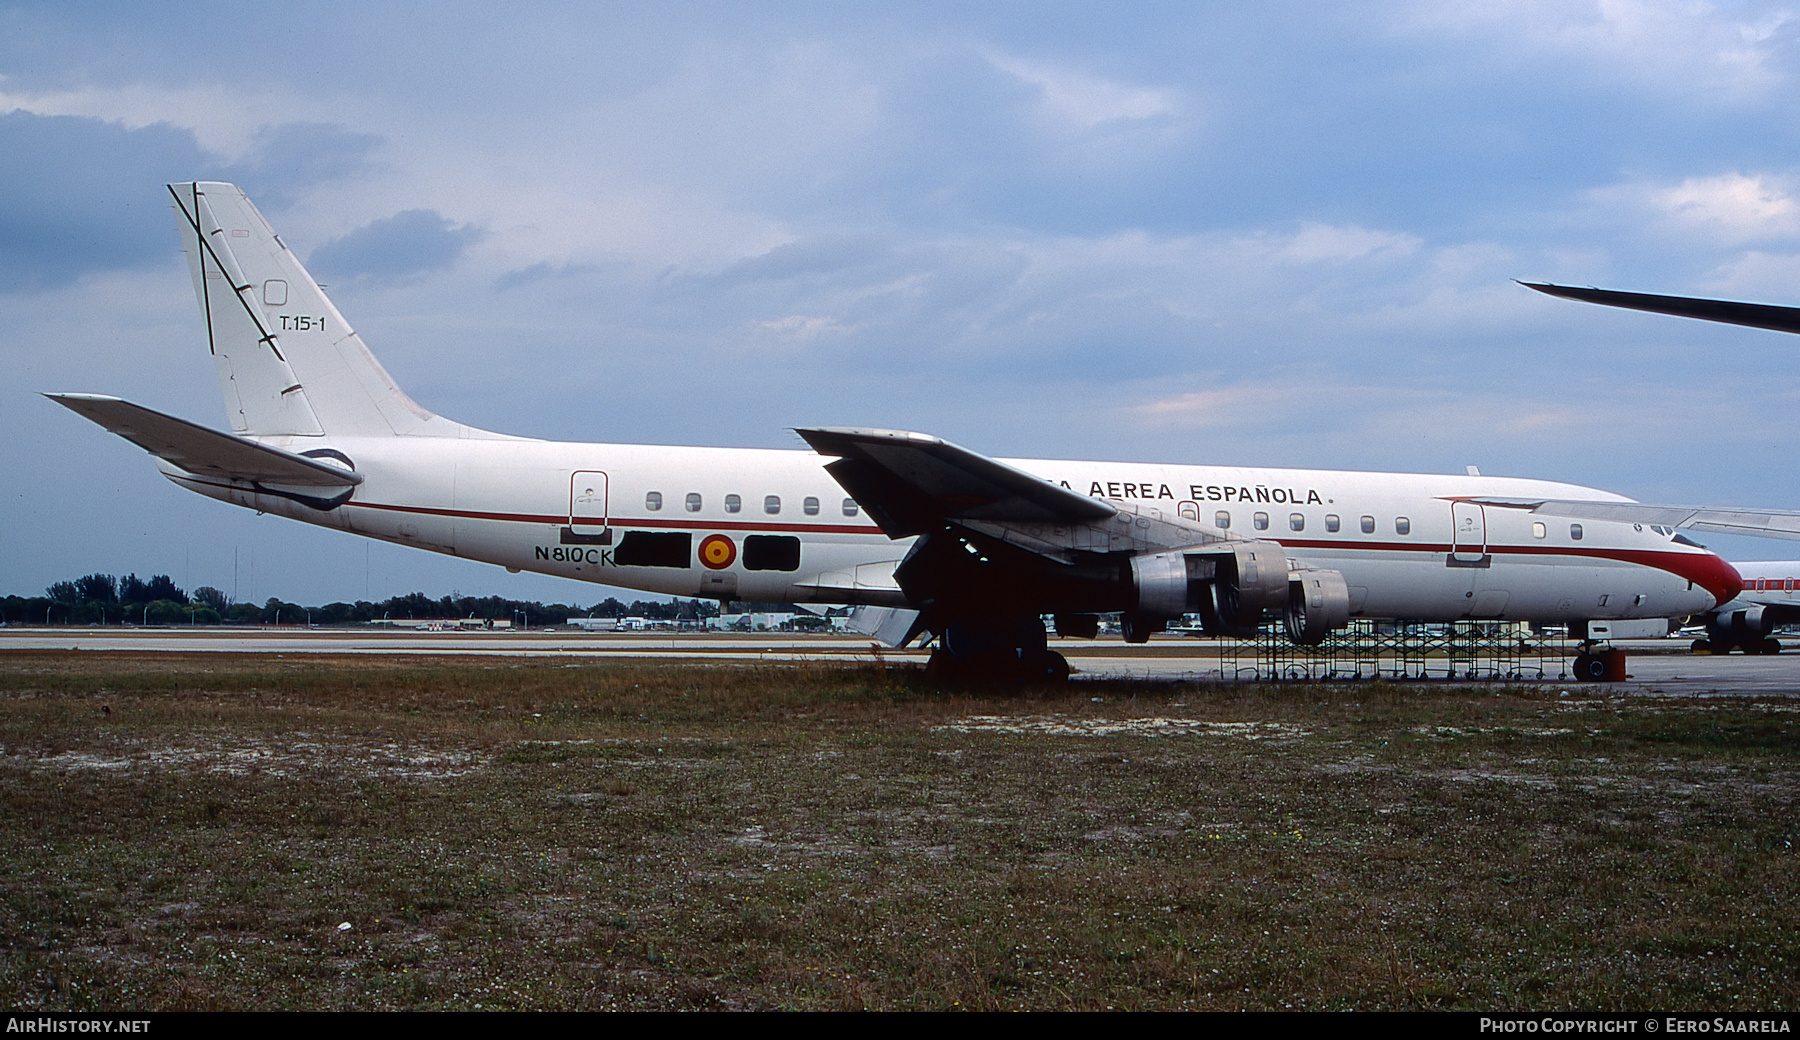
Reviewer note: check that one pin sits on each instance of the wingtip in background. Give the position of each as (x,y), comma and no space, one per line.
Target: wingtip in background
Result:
(1772,317)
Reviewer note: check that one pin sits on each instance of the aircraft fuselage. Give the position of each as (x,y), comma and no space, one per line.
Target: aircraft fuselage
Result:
(771,525)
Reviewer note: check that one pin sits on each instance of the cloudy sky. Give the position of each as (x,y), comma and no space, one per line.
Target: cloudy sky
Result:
(1273,234)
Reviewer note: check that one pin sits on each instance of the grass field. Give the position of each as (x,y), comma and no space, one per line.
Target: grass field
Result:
(195,831)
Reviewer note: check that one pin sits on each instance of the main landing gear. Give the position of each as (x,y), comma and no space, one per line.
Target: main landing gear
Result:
(998,654)
(1720,647)
(1040,668)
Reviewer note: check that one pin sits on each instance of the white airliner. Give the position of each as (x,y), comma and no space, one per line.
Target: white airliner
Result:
(928,538)
(1770,598)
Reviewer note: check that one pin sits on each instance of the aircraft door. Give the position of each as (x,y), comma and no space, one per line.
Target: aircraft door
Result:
(1469,540)
(587,505)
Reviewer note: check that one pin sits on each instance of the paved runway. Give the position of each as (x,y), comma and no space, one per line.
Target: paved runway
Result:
(1653,668)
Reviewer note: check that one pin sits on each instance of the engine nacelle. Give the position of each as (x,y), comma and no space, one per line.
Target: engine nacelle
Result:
(1229,584)
(1750,621)
(1318,601)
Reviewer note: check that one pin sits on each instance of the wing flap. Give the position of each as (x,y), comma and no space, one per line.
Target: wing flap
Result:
(205,452)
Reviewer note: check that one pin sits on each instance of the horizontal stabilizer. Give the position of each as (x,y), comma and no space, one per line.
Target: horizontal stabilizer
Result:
(1755,315)
(205,452)
(912,483)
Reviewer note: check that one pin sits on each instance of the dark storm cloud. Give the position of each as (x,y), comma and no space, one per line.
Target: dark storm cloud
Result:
(80,195)
(395,248)
(291,157)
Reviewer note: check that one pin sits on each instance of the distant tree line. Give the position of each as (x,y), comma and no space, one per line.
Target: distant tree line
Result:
(103,599)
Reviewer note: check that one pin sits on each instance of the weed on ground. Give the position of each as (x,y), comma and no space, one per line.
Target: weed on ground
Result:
(260,832)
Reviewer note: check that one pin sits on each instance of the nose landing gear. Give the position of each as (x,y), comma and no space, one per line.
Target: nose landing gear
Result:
(1596,665)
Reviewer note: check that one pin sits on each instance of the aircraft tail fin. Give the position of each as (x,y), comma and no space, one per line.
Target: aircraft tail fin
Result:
(288,362)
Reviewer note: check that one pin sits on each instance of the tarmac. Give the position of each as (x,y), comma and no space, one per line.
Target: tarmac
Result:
(1656,667)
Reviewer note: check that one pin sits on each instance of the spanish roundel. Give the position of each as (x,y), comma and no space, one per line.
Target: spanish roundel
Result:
(717,552)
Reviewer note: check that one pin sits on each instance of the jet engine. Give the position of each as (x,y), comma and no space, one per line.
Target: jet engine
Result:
(1743,625)
(1317,602)
(1229,584)
(1750,629)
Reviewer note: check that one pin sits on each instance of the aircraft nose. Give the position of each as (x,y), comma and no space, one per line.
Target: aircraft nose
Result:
(1708,572)
(1712,573)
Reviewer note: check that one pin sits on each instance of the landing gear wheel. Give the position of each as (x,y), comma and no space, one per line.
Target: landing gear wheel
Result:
(945,667)
(1704,646)
(1590,668)
(1048,668)
(1770,645)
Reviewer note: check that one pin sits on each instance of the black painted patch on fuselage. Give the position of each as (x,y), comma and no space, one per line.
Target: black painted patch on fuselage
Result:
(771,552)
(654,549)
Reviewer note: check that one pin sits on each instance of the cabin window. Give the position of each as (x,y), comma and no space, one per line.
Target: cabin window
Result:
(693,502)
(1575,531)
(1296,521)
(849,507)
(1222,520)
(733,503)
(653,501)
(771,552)
(771,504)
(1537,529)
(810,506)
(1402,525)
(1331,523)
(1368,525)
(1260,521)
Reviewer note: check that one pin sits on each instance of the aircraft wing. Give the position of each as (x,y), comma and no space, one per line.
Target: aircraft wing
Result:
(1761,523)
(912,483)
(1755,315)
(1758,523)
(205,452)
